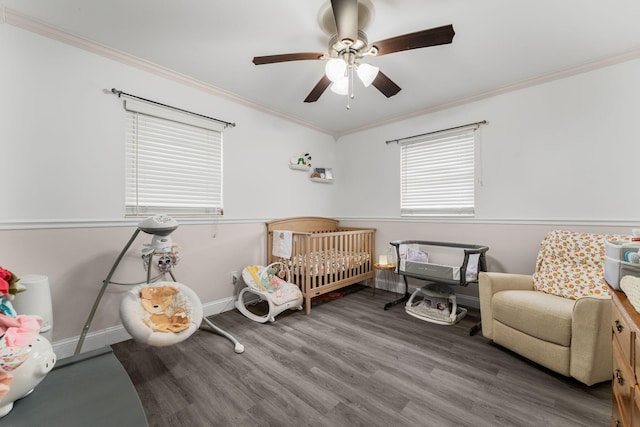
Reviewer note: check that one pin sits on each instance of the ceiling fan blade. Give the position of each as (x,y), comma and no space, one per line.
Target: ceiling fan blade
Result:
(302,56)
(345,13)
(424,38)
(318,89)
(385,85)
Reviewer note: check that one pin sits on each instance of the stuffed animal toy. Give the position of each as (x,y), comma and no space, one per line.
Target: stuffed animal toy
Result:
(159,302)
(273,279)
(302,160)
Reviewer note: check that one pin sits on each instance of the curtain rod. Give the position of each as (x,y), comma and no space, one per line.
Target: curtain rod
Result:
(483,122)
(121,93)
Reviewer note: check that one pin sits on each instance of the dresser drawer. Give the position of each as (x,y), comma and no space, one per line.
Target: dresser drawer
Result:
(623,383)
(635,411)
(621,332)
(636,357)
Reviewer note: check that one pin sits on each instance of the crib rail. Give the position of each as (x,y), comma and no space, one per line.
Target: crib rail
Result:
(333,258)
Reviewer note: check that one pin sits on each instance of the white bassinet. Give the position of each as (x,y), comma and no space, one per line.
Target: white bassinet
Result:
(436,301)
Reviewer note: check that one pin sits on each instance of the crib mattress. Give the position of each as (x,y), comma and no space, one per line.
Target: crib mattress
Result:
(330,261)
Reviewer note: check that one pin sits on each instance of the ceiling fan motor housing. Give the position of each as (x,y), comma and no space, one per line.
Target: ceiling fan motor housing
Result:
(337,48)
(327,22)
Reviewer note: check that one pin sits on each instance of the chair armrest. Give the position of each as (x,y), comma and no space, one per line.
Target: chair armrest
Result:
(488,284)
(591,351)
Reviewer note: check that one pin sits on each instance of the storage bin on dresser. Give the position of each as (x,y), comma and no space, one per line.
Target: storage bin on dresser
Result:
(616,264)
(625,326)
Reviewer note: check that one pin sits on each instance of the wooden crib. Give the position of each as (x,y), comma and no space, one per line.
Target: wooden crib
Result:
(324,256)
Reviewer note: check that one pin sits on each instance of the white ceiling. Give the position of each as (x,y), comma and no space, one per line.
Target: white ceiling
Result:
(498,44)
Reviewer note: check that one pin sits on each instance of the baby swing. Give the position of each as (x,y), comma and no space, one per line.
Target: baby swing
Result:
(158,313)
(270,284)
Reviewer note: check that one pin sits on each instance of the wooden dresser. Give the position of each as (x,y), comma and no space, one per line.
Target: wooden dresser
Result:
(625,323)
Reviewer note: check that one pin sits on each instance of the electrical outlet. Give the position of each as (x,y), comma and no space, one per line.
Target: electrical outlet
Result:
(234,277)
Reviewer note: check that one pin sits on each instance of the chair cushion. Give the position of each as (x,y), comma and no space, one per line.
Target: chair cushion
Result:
(550,355)
(571,265)
(133,315)
(251,276)
(284,292)
(538,314)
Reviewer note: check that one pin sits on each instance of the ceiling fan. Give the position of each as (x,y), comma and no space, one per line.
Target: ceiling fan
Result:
(345,22)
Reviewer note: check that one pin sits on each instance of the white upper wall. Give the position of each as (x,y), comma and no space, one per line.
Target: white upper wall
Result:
(62,139)
(563,150)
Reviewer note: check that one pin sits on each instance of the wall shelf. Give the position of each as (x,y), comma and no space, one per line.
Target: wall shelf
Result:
(322,175)
(299,167)
(326,181)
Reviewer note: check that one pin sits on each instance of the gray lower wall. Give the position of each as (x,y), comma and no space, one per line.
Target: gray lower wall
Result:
(77,260)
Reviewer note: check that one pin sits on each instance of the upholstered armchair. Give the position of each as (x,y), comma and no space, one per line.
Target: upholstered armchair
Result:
(560,316)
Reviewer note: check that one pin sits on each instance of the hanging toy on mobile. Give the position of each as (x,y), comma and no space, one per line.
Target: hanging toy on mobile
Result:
(161,243)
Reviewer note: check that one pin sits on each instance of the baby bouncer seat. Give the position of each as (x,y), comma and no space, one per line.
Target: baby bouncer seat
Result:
(271,284)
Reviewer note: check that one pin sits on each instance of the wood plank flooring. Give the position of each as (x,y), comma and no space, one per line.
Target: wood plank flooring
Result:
(350,363)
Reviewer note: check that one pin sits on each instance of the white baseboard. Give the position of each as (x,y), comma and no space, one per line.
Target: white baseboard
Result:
(105,337)
(398,287)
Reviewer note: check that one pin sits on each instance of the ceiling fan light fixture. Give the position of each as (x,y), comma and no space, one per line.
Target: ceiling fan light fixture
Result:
(367,73)
(345,22)
(341,87)
(335,69)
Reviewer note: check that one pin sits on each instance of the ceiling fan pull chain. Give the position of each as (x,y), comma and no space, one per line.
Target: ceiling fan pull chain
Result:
(351,93)
(350,86)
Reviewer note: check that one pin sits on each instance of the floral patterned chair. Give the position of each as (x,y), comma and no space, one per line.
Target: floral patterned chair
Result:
(560,316)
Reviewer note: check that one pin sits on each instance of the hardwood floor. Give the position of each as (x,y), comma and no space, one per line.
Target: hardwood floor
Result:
(350,363)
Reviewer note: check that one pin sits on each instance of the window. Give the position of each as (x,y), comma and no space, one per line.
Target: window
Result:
(437,174)
(173,162)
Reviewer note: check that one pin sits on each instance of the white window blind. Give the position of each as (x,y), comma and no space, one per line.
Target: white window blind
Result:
(438,175)
(173,162)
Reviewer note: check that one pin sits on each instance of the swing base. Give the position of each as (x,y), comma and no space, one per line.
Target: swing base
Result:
(436,304)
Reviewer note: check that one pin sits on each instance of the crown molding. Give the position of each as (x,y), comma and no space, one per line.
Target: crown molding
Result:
(28,23)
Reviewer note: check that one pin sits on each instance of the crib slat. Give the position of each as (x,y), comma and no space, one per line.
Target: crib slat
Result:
(343,270)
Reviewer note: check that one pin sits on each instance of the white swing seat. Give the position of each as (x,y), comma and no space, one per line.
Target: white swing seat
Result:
(133,315)
(282,295)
